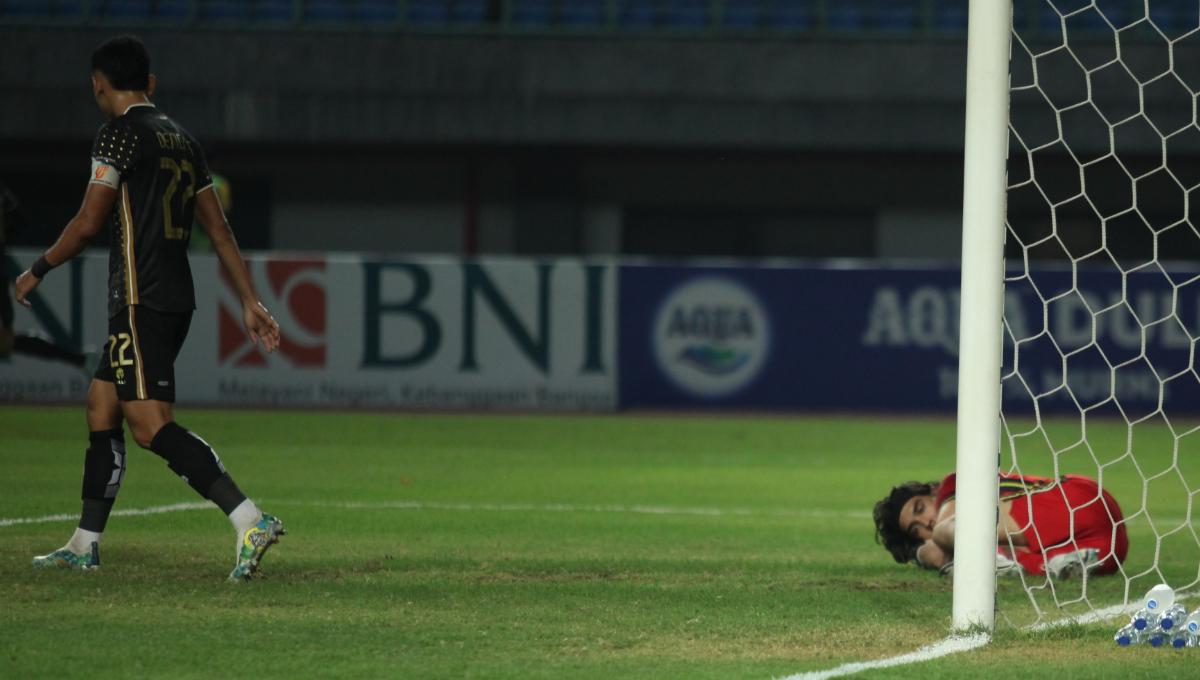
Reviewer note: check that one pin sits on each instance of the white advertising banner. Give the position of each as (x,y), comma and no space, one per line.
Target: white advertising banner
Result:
(421,332)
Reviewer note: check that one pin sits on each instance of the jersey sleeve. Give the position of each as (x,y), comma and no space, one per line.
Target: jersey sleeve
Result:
(204,178)
(945,490)
(115,154)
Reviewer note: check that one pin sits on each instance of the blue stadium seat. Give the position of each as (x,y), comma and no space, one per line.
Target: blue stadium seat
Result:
(636,14)
(845,17)
(326,11)
(378,11)
(469,12)
(951,15)
(532,12)
(582,13)
(67,9)
(741,14)
(27,8)
(223,10)
(172,10)
(428,12)
(687,14)
(274,10)
(896,17)
(793,14)
(126,9)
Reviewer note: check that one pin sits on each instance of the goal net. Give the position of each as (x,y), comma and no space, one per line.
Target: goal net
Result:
(1100,376)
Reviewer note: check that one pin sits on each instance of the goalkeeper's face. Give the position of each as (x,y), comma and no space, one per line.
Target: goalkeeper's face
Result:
(918,516)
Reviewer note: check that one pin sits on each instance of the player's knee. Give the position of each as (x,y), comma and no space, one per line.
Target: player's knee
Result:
(144,433)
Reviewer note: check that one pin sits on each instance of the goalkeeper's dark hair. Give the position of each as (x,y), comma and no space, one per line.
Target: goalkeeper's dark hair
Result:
(125,61)
(898,542)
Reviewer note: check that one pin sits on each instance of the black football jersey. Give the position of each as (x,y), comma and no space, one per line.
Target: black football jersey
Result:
(161,168)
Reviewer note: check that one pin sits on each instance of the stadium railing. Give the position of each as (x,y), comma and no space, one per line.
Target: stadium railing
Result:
(915,18)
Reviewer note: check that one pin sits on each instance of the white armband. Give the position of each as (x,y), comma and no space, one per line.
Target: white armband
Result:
(103,173)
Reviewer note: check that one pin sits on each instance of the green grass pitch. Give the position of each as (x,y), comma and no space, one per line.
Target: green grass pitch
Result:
(447,546)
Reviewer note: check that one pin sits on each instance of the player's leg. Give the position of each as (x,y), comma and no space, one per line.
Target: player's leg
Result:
(147,398)
(1073,529)
(103,472)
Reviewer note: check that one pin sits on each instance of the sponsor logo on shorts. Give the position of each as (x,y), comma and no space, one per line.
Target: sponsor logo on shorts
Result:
(711,336)
(294,291)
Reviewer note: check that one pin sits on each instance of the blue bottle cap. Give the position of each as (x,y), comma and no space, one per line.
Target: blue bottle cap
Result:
(1124,640)
(1167,623)
(1140,624)
(1156,641)
(1179,643)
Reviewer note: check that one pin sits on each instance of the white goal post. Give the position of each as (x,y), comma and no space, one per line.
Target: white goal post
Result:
(981,330)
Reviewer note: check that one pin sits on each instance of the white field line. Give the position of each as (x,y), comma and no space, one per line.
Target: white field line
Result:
(951,645)
(152,510)
(472,507)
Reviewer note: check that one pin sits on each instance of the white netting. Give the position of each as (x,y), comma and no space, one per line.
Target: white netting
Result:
(1102,291)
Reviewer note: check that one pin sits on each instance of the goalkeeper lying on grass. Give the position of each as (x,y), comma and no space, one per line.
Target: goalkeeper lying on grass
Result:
(916,522)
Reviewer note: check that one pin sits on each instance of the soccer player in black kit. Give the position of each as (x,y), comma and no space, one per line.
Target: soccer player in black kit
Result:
(149,181)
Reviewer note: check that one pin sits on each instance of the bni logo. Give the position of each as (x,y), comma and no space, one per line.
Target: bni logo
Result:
(294,291)
(711,337)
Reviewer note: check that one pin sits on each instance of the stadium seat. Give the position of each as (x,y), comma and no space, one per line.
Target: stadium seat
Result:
(470,12)
(844,17)
(896,17)
(951,15)
(378,11)
(792,15)
(532,12)
(428,12)
(687,14)
(27,8)
(67,9)
(638,15)
(740,14)
(126,9)
(326,11)
(274,10)
(172,10)
(582,13)
(223,10)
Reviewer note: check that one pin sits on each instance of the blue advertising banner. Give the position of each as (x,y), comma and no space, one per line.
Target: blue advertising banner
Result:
(885,339)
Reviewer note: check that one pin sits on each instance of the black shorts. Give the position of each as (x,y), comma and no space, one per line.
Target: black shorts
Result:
(140,353)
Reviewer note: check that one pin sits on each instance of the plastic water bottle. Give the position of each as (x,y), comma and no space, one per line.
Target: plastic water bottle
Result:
(1145,621)
(1182,638)
(1160,598)
(1192,623)
(1172,618)
(1158,638)
(1129,636)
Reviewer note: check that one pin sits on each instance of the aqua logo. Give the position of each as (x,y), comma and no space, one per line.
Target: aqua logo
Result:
(711,337)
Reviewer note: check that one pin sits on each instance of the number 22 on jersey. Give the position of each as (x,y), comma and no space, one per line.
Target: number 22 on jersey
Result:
(172,217)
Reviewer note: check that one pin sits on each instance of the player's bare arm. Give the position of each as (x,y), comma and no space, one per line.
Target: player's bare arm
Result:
(97,206)
(259,322)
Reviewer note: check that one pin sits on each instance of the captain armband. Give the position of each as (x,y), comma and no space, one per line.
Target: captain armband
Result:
(103,173)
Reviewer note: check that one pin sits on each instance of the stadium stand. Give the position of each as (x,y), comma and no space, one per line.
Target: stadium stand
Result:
(885,17)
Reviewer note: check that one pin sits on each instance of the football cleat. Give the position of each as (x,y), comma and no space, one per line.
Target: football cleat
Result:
(1073,564)
(254,545)
(1007,566)
(65,559)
